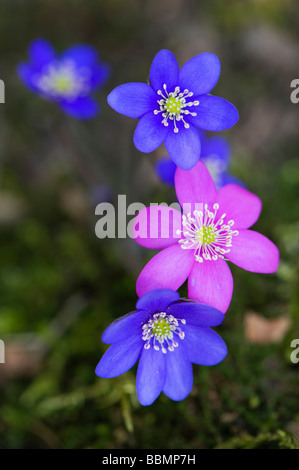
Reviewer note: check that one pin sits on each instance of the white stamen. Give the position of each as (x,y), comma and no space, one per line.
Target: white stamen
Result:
(209,238)
(173,105)
(162,329)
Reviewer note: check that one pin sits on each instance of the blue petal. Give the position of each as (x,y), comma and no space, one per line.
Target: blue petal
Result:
(82,54)
(26,73)
(184,146)
(165,169)
(179,375)
(99,76)
(200,74)
(164,70)
(203,137)
(150,133)
(133,99)
(150,375)
(120,357)
(196,314)
(204,346)
(218,146)
(81,108)
(230,179)
(125,326)
(41,52)
(214,114)
(157,300)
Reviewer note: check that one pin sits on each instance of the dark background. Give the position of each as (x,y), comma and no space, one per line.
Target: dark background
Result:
(60,285)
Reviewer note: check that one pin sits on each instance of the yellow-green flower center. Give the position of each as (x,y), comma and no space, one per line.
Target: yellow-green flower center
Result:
(161,328)
(62,83)
(173,105)
(161,332)
(206,235)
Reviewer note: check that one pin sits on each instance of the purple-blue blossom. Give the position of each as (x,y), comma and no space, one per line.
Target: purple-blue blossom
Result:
(166,335)
(67,79)
(215,154)
(174,104)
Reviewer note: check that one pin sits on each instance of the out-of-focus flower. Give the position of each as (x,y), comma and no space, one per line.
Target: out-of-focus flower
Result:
(68,79)
(197,243)
(174,104)
(215,154)
(166,335)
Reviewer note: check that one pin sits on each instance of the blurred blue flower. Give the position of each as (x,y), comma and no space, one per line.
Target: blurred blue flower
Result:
(174,104)
(166,335)
(68,79)
(215,154)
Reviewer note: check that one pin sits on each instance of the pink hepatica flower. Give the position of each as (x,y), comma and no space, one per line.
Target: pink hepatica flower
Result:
(197,243)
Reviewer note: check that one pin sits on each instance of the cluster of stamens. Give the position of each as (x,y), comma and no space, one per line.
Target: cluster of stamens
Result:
(173,106)
(64,79)
(162,328)
(210,239)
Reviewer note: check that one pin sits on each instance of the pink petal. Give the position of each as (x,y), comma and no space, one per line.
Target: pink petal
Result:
(168,269)
(211,283)
(254,252)
(194,186)
(156,227)
(239,204)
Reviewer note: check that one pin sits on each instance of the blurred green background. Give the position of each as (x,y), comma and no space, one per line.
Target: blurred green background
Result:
(60,285)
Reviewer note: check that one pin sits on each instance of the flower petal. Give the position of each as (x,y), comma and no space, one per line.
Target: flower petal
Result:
(120,357)
(128,325)
(27,73)
(164,70)
(41,52)
(184,146)
(195,186)
(81,108)
(179,375)
(133,99)
(240,205)
(156,226)
(196,314)
(211,283)
(157,300)
(200,74)
(82,54)
(150,133)
(254,252)
(150,375)
(99,76)
(204,346)
(216,146)
(227,178)
(168,269)
(214,114)
(165,169)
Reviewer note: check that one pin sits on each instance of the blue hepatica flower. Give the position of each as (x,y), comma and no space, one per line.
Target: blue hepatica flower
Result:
(215,154)
(174,104)
(166,335)
(68,79)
